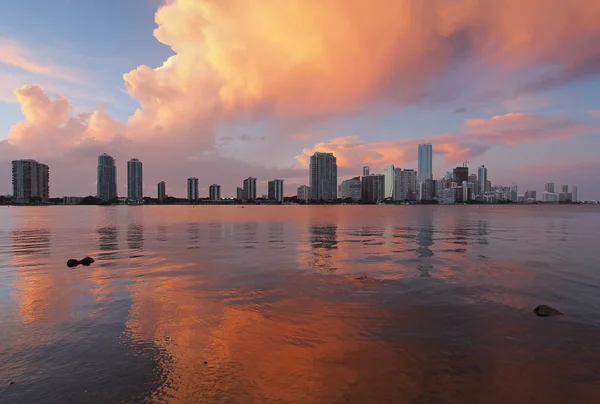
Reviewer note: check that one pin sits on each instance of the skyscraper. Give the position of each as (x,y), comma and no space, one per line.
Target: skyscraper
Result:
(483,181)
(397,184)
(30,180)
(564,189)
(473,180)
(214,192)
(134,180)
(390,182)
(107,178)
(365,171)
(461,174)
(239,193)
(574,192)
(323,176)
(276,190)
(549,187)
(425,170)
(409,185)
(427,190)
(250,189)
(192,189)
(373,188)
(162,191)
(514,194)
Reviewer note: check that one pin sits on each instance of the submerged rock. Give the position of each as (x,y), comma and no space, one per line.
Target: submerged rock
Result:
(546,311)
(87,261)
(361,278)
(72,263)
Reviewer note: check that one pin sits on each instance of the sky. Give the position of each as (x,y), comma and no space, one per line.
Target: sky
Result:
(224,90)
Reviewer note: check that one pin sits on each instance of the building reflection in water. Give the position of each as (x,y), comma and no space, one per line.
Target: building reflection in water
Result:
(161,234)
(246,234)
(135,237)
(108,245)
(276,235)
(323,240)
(215,232)
(424,242)
(193,230)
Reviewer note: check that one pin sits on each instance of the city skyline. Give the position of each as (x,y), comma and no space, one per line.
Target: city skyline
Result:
(473,84)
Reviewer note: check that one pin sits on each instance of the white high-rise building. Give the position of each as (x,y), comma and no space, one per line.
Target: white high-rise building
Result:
(323,177)
(214,192)
(134,180)
(390,182)
(365,171)
(425,162)
(107,178)
(351,188)
(514,194)
(303,193)
(275,190)
(549,187)
(162,191)
(482,178)
(192,189)
(30,180)
(574,192)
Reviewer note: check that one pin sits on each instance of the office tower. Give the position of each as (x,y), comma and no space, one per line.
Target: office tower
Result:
(390,173)
(239,193)
(134,180)
(162,191)
(427,190)
(303,192)
(373,188)
(409,185)
(574,192)
(514,195)
(564,189)
(365,171)
(250,189)
(30,180)
(192,189)
(397,184)
(351,188)
(483,181)
(488,187)
(214,192)
(107,178)
(276,190)
(549,187)
(530,196)
(473,178)
(323,176)
(460,174)
(425,162)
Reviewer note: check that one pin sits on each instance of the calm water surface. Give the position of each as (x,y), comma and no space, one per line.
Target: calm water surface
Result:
(275,300)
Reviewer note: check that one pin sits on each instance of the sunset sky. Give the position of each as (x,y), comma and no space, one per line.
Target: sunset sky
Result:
(223,90)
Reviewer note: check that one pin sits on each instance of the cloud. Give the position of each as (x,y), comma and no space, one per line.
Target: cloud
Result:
(460,110)
(15,54)
(476,137)
(594,113)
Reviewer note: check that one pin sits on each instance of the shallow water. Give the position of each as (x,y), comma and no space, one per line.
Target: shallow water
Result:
(274,299)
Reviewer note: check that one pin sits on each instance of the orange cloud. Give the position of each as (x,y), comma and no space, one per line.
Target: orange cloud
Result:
(478,135)
(17,55)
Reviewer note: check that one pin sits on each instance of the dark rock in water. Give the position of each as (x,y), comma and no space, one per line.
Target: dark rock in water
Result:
(11,383)
(87,261)
(361,278)
(72,263)
(206,362)
(546,311)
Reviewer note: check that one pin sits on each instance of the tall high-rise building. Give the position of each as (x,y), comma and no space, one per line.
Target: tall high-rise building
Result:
(162,191)
(473,178)
(549,187)
(564,189)
(483,181)
(134,180)
(250,189)
(425,170)
(574,193)
(275,190)
(514,194)
(530,195)
(460,174)
(390,176)
(397,184)
(365,171)
(373,188)
(107,178)
(214,192)
(351,188)
(192,189)
(409,185)
(323,176)
(303,193)
(30,180)
(427,190)
(239,193)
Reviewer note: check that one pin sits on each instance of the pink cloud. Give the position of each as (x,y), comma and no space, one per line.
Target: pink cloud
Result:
(594,113)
